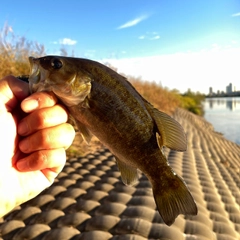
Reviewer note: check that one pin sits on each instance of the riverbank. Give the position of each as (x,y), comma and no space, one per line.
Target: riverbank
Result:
(89,201)
(232,94)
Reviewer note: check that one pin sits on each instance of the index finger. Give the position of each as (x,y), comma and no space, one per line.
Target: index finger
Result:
(38,100)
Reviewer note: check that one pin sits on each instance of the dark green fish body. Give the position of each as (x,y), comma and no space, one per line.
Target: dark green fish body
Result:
(105,104)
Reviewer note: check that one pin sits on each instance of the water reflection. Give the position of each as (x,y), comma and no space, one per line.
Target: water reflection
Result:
(224,114)
(224,103)
(231,105)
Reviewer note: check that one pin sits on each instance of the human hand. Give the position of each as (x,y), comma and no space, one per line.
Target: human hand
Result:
(33,138)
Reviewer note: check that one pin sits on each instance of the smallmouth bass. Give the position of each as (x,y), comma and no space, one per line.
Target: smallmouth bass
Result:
(105,104)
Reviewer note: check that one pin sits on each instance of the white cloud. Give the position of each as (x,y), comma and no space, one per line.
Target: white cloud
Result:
(236,14)
(155,38)
(195,70)
(67,41)
(149,36)
(133,22)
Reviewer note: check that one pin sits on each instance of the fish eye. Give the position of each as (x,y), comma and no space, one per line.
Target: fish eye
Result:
(56,63)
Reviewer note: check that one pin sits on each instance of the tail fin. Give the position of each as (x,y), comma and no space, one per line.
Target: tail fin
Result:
(172,198)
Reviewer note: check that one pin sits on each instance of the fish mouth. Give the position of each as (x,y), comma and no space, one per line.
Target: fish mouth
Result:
(38,76)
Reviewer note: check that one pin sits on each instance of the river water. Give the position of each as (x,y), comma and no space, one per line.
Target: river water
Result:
(224,115)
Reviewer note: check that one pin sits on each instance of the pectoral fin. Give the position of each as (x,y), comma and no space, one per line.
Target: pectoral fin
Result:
(129,174)
(85,133)
(171,133)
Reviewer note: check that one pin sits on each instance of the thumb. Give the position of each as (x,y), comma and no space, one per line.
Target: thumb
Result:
(12,91)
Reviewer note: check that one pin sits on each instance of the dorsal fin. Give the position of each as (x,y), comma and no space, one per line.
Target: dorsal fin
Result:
(171,132)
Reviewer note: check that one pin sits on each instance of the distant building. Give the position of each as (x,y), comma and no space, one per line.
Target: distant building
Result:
(210,91)
(229,88)
(230,91)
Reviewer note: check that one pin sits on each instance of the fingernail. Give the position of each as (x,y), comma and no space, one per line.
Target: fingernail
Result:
(22,165)
(29,104)
(22,128)
(24,145)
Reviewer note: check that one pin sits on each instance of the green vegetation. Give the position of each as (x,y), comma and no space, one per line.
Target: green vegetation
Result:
(15,50)
(193,102)
(167,100)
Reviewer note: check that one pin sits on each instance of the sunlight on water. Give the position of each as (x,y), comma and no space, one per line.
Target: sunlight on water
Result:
(224,115)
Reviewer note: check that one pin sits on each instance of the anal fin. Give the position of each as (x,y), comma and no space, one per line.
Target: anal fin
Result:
(129,174)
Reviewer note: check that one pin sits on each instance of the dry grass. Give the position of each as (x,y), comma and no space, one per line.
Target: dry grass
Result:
(159,97)
(15,50)
(14,53)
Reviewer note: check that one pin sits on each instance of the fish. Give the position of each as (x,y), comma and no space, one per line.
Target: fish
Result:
(105,104)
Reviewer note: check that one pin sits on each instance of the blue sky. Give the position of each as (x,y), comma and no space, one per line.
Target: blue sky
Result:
(180,44)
